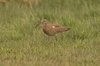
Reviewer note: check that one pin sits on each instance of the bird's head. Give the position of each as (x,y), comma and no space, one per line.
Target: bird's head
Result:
(43,22)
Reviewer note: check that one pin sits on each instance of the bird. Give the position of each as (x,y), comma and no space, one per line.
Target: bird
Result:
(51,29)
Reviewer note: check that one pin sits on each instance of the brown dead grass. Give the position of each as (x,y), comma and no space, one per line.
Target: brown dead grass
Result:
(4,1)
(29,2)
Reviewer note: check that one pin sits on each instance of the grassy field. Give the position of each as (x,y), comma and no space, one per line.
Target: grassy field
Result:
(24,44)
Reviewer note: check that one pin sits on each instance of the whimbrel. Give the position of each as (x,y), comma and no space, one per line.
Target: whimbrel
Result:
(52,29)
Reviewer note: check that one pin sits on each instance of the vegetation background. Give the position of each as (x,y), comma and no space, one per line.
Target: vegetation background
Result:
(24,44)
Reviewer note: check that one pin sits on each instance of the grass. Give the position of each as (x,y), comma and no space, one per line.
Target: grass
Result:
(24,44)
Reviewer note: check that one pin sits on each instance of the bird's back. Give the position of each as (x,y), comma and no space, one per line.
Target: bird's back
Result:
(49,30)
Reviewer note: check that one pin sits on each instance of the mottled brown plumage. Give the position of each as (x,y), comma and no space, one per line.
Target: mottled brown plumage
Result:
(52,29)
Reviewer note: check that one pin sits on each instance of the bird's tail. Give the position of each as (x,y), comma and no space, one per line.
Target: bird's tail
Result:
(67,29)
(62,29)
